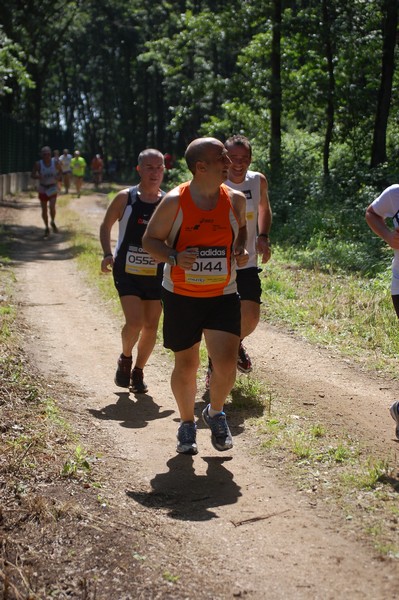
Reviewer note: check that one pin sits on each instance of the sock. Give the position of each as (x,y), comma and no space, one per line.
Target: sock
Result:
(137,369)
(213,413)
(123,356)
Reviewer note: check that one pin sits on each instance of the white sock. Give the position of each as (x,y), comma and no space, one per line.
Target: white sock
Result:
(212,412)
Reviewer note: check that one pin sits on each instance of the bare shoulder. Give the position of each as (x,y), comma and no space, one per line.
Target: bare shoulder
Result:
(263,181)
(172,195)
(121,196)
(170,201)
(117,206)
(236,197)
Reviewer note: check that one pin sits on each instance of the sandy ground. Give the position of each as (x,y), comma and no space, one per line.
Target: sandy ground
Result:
(289,548)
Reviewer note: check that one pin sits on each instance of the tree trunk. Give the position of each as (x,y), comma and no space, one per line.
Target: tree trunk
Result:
(327,21)
(276,96)
(378,152)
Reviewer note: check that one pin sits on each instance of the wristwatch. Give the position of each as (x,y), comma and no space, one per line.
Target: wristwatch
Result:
(172,260)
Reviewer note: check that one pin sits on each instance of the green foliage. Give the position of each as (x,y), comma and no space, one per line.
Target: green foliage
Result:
(170,578)
(12,65)
(321,221)
(372,473)
(76,465)
(334,308)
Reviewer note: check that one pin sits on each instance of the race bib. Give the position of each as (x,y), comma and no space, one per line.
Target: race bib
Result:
(210,266)
(139,262)
(51,191)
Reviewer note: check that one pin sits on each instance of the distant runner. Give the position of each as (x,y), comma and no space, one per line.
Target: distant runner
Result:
(48,172)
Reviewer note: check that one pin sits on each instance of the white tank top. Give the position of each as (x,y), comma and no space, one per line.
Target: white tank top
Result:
(48,175)
(250,187)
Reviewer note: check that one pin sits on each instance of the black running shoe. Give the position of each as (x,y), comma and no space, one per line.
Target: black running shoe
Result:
(54,227)
(46,233)
(221,436)
(137,383)
(186,438)
(122,375)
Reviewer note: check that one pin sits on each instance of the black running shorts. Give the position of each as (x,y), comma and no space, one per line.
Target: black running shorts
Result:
(186,317)
(248,284)
(146,288)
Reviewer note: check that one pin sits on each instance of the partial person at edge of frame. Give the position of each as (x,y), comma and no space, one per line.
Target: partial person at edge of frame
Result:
(386,206)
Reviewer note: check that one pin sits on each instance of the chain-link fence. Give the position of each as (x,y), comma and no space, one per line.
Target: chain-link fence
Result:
(20,143)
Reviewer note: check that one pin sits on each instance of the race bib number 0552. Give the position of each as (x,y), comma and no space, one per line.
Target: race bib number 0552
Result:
(138,262)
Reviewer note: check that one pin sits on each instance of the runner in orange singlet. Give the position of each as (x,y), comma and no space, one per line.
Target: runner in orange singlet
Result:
(199,231)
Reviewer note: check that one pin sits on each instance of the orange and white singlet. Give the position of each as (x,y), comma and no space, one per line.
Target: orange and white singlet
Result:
(212,233)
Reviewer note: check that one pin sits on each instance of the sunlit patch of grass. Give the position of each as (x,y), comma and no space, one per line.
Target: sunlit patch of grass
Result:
(88,254)
(347,312)
(301,446)
(248,392)
(318,430)
(53,414)
(341,453)
(203,355)
(368,476)
(389,550)
(272,426)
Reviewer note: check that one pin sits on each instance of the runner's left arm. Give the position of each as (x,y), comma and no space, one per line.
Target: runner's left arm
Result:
(114,213)
(264,222)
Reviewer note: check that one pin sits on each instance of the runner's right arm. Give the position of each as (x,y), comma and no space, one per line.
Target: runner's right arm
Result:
(158,230)
(35,171)
(114,213)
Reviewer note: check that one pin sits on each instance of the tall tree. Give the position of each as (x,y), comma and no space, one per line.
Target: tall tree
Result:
(390,25)
(330,100)
(276,95)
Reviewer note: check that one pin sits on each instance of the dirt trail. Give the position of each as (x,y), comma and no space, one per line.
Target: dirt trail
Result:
(294,550)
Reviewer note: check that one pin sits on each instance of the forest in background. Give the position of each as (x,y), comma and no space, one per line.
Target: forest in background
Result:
(312,83)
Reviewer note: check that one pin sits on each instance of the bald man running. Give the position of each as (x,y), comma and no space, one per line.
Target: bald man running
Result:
(199,231)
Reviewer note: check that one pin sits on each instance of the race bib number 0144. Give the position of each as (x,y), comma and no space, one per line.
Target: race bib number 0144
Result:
(138,262)
(210,266)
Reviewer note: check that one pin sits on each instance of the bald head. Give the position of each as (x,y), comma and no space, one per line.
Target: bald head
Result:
(200,149)
(149,153)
